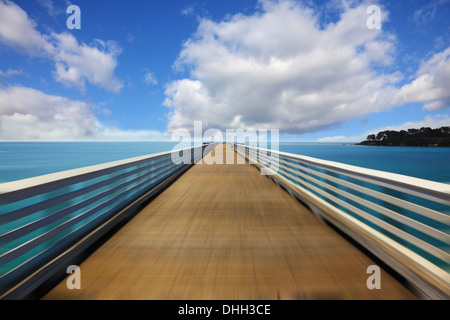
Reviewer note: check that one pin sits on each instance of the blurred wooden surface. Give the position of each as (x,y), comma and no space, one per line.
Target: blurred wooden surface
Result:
(226,232)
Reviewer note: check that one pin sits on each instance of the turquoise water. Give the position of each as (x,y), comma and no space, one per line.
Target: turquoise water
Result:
(28,159)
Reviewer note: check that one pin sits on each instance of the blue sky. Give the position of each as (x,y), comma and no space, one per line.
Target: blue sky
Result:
(139,70)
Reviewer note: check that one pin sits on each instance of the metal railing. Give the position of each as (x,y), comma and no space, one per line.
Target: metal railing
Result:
(403,220)
(43,216)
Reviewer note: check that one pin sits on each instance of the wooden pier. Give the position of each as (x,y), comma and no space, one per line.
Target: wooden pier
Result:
(224,231)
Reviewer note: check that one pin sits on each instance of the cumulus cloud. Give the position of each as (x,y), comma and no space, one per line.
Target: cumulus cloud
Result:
(436,121)
(18,31)
(431,84)
(280,69)
(29,114)
(74,63)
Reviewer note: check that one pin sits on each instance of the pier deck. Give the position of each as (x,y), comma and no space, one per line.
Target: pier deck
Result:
(226,232)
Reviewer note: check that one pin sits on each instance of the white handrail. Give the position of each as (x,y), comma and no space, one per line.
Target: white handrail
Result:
(425,245)
(438,190)
(29,183)
(62,211)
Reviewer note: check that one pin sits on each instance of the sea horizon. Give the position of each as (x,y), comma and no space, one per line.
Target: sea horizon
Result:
(22,160)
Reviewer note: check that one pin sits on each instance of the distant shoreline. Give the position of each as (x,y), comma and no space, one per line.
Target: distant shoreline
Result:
(423,137)
(365,143)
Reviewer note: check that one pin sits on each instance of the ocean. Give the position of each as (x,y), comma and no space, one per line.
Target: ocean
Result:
(21,160)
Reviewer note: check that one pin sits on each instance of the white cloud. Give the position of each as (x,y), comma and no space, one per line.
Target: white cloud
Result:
(434,122)
(150,78)
(426,13)
(10,72)
(18,31)
(279,69)
(52,10)
(432,83)
(188,10)
(339,139)
(116,134)
(435,106)
(29,114)
(194,9)
(74,63)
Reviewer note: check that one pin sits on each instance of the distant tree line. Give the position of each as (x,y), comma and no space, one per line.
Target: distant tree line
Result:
(423,137)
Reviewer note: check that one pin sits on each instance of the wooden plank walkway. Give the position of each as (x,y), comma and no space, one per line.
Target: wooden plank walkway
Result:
(226,232)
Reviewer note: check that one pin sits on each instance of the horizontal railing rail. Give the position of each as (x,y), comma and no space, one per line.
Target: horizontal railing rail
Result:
(401,219)
(40,217)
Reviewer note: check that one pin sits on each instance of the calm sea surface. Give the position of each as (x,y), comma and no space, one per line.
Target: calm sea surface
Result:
(28,159)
